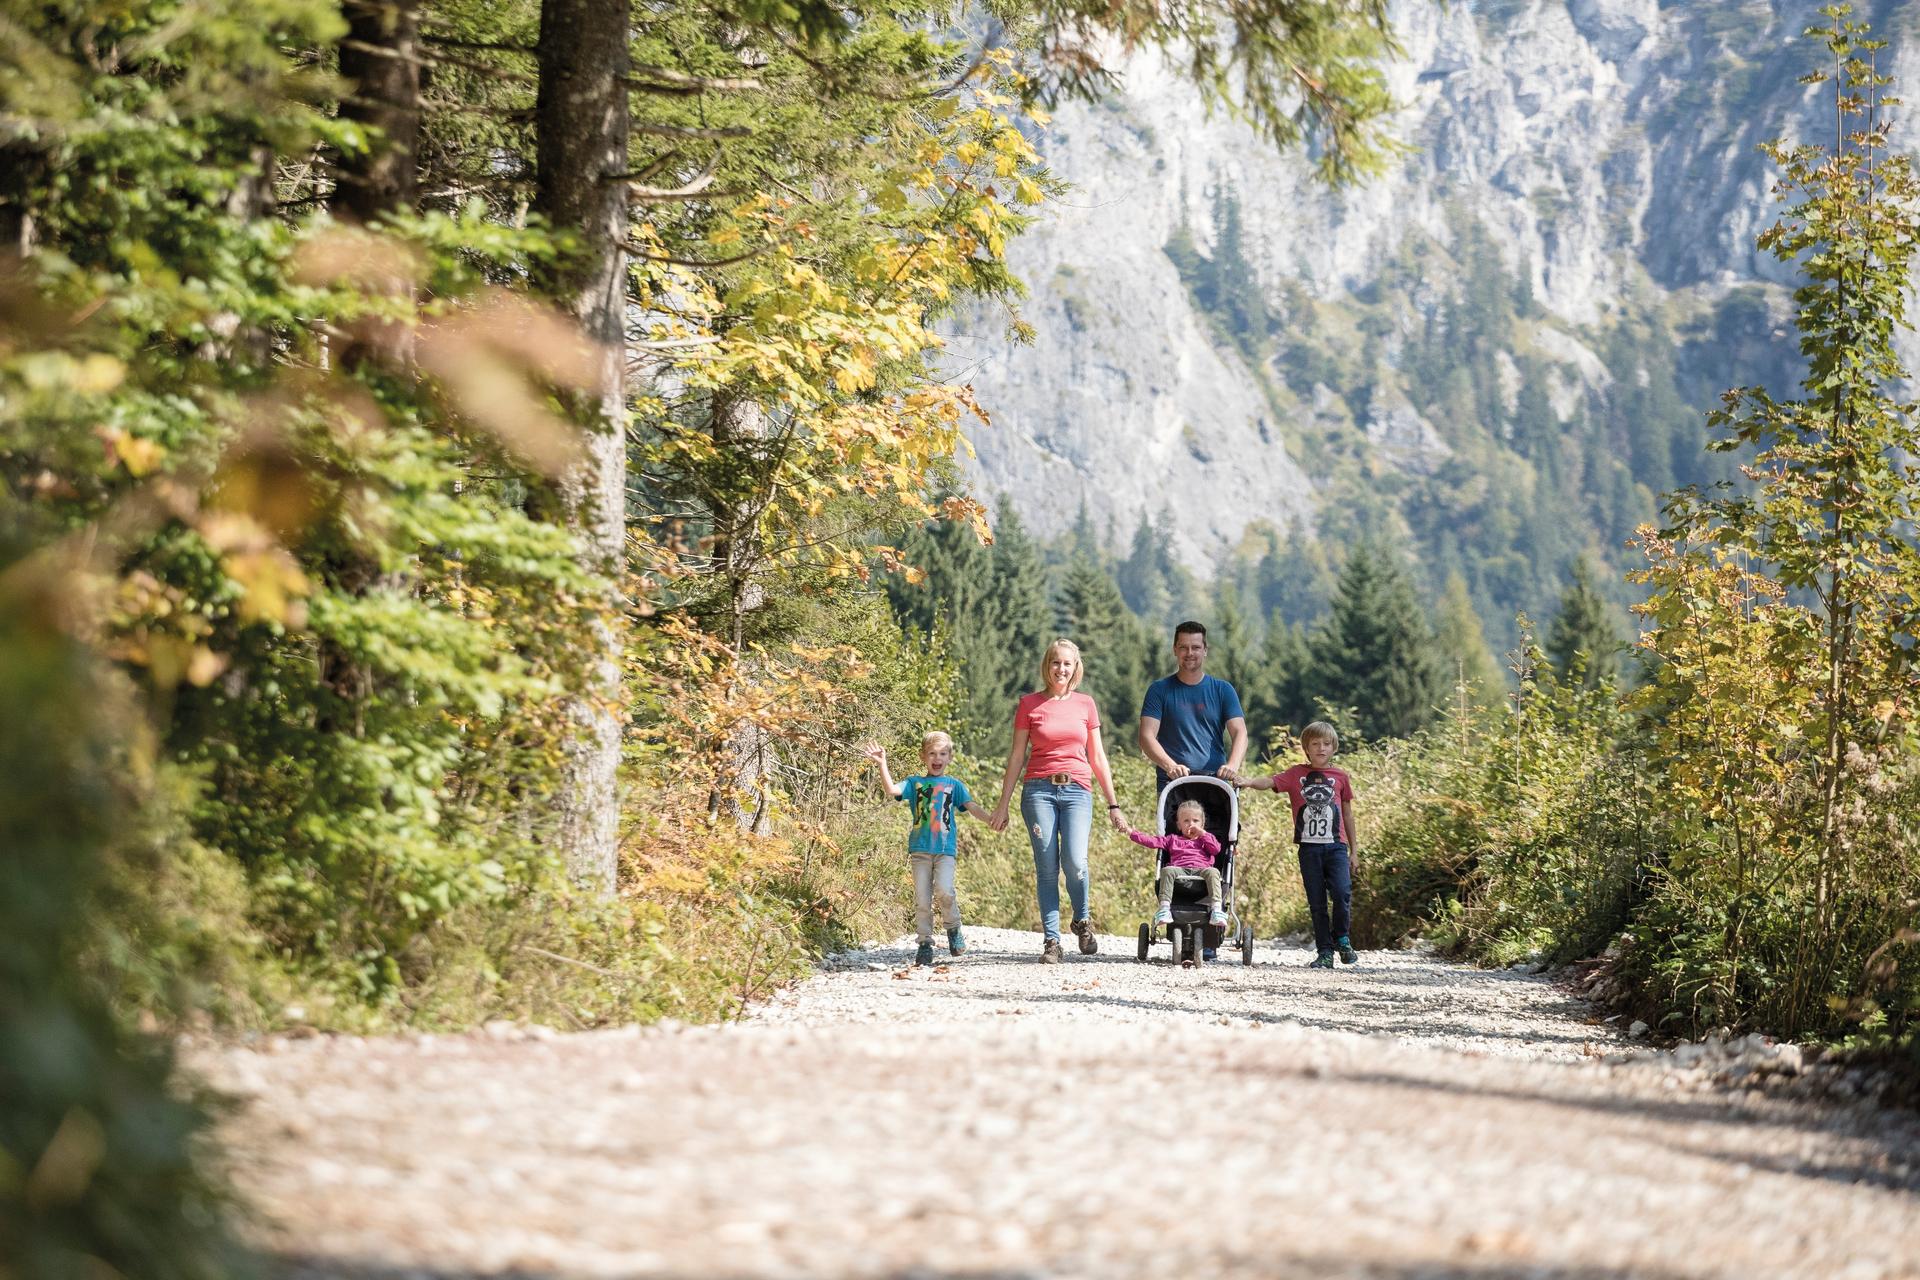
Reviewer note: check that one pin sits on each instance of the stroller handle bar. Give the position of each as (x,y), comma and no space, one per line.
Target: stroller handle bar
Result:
(1202,780)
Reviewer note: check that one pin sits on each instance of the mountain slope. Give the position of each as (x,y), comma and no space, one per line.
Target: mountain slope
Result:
(1498,353)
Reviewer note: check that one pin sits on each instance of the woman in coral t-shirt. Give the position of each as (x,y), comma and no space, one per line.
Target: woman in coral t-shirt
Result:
(1057,750)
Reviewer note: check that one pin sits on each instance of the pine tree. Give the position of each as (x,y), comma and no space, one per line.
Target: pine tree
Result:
(1273,696)
(1295,579)
(1462,642)
(1228,644)
(1112,642)
(1375,652)
(1583,634)
(1020,585)
(1147,577)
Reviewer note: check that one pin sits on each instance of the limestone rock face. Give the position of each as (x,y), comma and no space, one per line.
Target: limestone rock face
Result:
(1607,148)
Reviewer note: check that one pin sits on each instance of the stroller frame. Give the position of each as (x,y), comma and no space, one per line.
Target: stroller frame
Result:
(1191,933)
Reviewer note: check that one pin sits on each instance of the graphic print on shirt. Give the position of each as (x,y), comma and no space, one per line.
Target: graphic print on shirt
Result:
(932,805)
(1318,821)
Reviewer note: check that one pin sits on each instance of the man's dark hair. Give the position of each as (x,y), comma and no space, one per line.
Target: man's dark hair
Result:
(1189,627)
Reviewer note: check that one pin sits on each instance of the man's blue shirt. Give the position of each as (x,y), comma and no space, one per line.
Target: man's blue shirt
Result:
(1193,719)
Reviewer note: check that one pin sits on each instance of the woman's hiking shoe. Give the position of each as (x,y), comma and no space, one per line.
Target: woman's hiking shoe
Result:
(924,956)
(1164,915)
(1209,954)
(956,942)
(1322,961)
(1083,930)
(1347,954)
(1050,952)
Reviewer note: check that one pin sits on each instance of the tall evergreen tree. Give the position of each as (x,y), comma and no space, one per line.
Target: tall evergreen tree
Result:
(1112,641)
(1375,651)
(1465,656)
(1020,586)
(1229,645)
(1583,633)
(1148,577)
(1295,579)
(1274,694)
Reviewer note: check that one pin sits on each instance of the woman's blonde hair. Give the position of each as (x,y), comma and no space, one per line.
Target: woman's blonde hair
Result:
(1046,660)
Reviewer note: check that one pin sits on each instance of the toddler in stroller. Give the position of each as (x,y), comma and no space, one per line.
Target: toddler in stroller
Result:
(1199,828)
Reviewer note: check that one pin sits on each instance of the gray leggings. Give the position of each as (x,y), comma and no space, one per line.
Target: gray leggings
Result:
(933,886)
(1210,874)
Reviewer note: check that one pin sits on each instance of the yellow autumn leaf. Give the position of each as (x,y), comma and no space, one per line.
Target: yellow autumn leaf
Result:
(140,457)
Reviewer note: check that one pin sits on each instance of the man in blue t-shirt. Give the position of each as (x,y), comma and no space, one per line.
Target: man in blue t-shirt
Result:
(1184,715)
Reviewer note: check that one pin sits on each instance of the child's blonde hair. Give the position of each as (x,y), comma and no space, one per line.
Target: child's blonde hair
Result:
(1063,645)
(1195,805)
(934,738)
(1320,729)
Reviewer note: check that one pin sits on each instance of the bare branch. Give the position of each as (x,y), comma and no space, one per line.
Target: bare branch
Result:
(641,252)
(694,190)
(690,131)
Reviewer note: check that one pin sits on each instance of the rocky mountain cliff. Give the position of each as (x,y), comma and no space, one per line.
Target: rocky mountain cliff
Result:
(1498,353)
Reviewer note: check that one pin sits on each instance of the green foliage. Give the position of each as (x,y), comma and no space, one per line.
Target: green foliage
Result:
(1466,661)
(1113,644)
(1746,816)
(1582,641)
(1375,653)
(1251,59)
(1785,618)
(98,1142)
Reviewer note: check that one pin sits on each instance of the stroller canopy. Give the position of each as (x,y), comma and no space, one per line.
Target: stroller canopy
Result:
(1216,795)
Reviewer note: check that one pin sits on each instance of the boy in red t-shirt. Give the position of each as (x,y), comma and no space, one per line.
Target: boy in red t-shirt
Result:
(1322,799)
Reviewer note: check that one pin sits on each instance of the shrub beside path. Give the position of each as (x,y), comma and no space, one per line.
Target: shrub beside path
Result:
(1407,1118)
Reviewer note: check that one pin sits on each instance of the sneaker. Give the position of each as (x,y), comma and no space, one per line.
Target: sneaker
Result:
(1218,919)
(1083,930)
(1209,954)
(1164,915)
(1347,954)
(924,956)
(1050,952)
(1322,961)
(956,942)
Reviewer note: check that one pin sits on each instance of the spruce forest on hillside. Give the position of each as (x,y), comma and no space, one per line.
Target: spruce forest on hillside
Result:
(472,476)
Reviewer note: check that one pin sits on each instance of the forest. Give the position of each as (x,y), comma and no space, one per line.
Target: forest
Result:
(473,475)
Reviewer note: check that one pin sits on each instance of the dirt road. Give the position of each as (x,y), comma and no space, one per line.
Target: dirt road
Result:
(1405,1118)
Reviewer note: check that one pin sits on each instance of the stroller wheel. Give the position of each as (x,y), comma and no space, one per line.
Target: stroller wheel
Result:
(1178,937)
(1146,941)
(1246,944)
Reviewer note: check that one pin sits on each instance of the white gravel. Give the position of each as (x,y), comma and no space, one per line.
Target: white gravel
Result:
(1405,994)
(1405,1118)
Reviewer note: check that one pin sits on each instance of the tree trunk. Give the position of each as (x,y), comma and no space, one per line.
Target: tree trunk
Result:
(582,127)
(380,60)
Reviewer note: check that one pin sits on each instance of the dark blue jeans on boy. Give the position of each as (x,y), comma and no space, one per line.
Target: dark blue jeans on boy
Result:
(1328,877)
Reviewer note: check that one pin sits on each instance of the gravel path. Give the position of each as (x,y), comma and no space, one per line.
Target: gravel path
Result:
(998,1118)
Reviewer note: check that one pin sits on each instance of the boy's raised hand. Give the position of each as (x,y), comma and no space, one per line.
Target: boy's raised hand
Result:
(874,752)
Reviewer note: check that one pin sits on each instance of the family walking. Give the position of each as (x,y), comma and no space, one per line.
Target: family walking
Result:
(1191,723)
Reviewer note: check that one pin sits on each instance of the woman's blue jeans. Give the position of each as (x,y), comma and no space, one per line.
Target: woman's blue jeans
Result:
(1059,817)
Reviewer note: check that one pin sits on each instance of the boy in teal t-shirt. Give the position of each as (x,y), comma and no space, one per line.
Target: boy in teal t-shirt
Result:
(936,802)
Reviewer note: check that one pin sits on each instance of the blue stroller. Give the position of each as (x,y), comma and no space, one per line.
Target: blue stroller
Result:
(1190,933)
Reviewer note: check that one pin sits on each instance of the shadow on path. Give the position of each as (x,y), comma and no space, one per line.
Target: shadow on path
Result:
(1270,1266)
